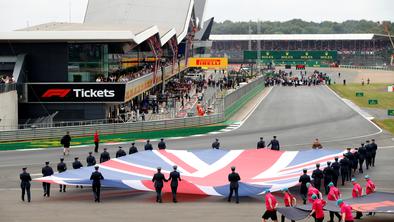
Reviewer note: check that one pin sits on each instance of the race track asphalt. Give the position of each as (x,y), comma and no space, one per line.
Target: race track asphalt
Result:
(296,115)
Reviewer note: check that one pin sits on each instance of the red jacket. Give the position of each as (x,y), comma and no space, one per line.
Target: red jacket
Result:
(96,137)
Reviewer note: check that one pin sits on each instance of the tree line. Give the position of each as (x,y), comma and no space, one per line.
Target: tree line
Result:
(298,26)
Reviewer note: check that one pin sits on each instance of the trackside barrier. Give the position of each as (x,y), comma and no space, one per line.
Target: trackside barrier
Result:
(229,105)
(367,67)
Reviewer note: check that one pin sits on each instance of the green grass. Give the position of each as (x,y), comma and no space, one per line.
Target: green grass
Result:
(181,132)
(372,91)
(387,124)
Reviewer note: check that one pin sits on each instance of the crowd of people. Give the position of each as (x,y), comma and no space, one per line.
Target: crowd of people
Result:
(285,78)
(4,79)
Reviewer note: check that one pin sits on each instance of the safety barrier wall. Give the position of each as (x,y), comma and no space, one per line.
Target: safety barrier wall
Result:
(115,128)
(367,67)
(230,103)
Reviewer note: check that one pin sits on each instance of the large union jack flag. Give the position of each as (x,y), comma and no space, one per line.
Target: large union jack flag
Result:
(203,172)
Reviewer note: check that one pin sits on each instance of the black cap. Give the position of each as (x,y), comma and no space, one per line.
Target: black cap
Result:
(147,140)
(90,152)
(261,138)
(132,143)
(274,137)
(373,140)
(96,167)
(336,158)
(47,162)
(317,164)
(217,139)
(305,170)
(61,158)
(105,148)
(120,147)
(367,141)
(75,158)
(24,168)
(161,139)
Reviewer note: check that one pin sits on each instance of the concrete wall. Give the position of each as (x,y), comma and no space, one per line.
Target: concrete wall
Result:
(9,110)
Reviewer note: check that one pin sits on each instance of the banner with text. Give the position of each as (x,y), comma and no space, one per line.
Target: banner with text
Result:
(208,63)
(292,55)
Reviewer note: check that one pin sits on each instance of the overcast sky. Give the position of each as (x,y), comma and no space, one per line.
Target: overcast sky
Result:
(15,14)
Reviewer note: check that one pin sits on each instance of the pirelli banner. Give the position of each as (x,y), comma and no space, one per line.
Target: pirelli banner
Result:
(208,63)
(76,92)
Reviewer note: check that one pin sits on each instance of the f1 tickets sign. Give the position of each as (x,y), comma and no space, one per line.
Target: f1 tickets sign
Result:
(209,63)
(76,92)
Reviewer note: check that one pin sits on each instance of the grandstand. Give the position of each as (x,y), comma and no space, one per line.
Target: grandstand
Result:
(352,49)
(126,47)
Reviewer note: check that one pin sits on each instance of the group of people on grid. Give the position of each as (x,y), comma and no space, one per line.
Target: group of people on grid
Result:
(310,190)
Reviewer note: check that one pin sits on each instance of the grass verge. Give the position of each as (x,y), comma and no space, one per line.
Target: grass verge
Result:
(113,138)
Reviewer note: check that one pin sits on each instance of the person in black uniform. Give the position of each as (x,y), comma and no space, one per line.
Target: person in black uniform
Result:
(304,178)
(76,165)
(362,152)
(90,160)
(336,167)
(350,157)
(374,149)
(174,177)
(328,173)
(104,156)
(233,178)
(355,160)
(46,171)
(158,179)
(25,184)
(62,167)
(368,156)
(216,144)
(96,178)
(148,146)
(344,163)
(120,152)
(274,143)
(65,141)
(133,149)
(317,176)
(161,145)
(261,143)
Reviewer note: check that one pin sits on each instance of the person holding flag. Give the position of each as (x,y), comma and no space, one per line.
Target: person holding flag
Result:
(289,200)
(357,192)
(333,195)
(346,211)
(270,205)
(311,191)
(317,209)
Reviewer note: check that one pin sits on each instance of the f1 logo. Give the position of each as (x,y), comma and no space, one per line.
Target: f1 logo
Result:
(56,92)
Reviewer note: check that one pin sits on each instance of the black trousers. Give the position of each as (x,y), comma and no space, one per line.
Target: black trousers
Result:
(96,146)
(373,159)
(173,191)
(332,216)
(96,192)
(317,184)
(26,189)
(233,190)
(368,161)
(335,180)
(158,194)
(282,219)
(345,176)
(304,197)
(47,189)
(361,162)
(326,182)
(62,188)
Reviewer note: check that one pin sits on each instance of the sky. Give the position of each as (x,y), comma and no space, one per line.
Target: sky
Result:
(16,14)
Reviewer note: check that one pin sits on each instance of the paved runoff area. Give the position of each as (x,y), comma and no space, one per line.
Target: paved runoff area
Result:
(296,115)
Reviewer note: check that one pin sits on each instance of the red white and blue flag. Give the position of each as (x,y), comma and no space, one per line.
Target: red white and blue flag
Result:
(203,172)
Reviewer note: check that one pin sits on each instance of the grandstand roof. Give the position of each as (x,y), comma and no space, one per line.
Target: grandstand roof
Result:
(295,37)
(118,20)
